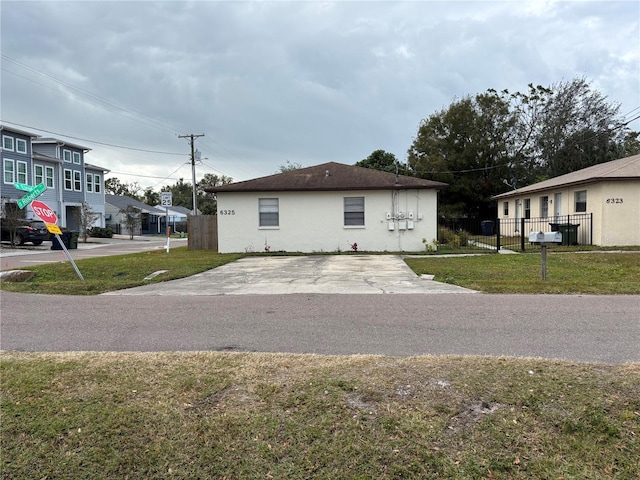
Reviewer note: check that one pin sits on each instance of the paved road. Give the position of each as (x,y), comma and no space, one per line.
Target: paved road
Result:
(578,328)
(28,255)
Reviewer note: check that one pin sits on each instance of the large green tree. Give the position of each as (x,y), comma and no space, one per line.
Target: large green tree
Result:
(483,145)
(207,203)
(469,145)
(114,186)
(385,161)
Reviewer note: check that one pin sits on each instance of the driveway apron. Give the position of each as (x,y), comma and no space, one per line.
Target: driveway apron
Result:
(330,274)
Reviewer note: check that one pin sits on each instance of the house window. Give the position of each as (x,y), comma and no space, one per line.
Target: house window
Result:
(544,207)
(354,211)
(48,177)
(89,182)
(9,171)
(97,184)
(68,182)
(7,143)
(66,156)
(581,201)
(21,145)
(505,209)
(527,208)
(38,174)
(269,212)
(76,158)
(77,181)
(21,174)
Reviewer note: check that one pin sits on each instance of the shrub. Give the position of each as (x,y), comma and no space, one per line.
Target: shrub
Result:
(453,238)
(99,232)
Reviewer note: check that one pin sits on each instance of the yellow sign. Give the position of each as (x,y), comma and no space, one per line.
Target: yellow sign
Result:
(53,228)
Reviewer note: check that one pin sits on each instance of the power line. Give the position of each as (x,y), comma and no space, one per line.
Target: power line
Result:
(92,141)
(102,102)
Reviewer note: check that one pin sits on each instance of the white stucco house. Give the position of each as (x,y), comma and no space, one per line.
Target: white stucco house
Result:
(609,193)
(328,208)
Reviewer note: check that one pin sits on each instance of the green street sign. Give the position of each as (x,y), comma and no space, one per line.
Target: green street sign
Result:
(23,186)
(32,195)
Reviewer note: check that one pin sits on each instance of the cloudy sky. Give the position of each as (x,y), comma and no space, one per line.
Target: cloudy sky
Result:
(306,82)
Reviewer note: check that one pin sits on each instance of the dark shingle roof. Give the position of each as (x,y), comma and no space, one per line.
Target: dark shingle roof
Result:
(327,177)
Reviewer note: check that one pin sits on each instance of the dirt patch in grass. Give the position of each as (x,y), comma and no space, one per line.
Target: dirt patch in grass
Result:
(247,415)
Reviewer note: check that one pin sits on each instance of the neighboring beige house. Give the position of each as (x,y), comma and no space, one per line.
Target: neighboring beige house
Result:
(609,192)
(328,208)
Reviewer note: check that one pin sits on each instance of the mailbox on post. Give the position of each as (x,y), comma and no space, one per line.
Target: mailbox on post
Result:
(549,238)
(544,239)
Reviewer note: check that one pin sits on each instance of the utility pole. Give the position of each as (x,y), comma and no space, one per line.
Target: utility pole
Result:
(191,138)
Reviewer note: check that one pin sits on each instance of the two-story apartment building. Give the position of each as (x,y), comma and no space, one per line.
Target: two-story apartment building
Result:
(31,159)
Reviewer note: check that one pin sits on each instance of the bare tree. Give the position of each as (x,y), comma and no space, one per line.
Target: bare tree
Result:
(85,217)
(12,218)
(132,219)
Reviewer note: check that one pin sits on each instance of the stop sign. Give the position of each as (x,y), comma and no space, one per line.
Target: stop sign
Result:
(43,212)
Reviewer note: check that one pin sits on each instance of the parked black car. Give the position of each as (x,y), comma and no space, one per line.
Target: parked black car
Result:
(33,231)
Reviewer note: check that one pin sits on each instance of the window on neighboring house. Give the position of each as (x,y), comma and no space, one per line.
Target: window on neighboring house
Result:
(544,207)
(21,172)
(89,182)
(68,179)
(269,212)
(581,201)
(97,183)
(38,174)
(48,177)
(66,156)
(76,158)
(7,143)
(21,145)
(527,208)
(505,209)
(354,211)
(77,181)
(8,167)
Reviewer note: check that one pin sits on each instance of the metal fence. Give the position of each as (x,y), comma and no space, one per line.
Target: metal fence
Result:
(512,234)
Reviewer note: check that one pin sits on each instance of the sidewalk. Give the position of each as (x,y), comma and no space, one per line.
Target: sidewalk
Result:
(7,251)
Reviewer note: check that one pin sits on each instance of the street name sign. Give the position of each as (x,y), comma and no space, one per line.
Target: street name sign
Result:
(34,193)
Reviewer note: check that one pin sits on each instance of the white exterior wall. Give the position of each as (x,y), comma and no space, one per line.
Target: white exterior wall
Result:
(314,222)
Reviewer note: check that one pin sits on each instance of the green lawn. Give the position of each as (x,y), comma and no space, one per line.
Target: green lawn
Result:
(577,272)
(264,416)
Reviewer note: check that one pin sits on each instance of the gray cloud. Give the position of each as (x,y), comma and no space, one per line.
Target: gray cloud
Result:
(307,82)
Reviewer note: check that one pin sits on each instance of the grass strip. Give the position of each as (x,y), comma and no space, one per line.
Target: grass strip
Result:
(567,273)
(104,274)
(247,416)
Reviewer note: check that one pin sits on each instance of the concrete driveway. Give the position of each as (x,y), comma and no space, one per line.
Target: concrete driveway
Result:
(325,274)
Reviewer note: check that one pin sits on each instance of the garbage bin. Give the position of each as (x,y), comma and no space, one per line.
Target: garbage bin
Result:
(73,240)
(65,237)
(569,233)
(487,227)
(554,227)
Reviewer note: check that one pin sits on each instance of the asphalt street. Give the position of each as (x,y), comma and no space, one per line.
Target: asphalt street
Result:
(364,304)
